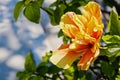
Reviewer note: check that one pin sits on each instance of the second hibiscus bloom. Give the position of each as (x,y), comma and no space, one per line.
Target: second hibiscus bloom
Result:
(85,31)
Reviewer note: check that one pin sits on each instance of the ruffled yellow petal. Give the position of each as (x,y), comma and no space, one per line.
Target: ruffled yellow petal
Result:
(68,25)
(80,21)
(68,18)
(93,28)
(91,25)
(92,9)
(69,30)
(85,37)
(64,58)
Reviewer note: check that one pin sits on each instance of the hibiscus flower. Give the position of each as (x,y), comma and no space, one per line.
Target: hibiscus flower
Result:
(85,32)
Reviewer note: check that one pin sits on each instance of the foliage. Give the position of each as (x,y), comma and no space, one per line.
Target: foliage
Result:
(106,67)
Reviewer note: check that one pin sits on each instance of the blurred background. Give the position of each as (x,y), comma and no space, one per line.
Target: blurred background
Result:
(18,38)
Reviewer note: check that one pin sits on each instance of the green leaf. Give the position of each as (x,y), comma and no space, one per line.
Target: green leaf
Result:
(89,76)
(42,64)
(56,3)
(42,68)
(30,63)
(112,46)
(48,10)
(53,69)
(18,8)
(59,11)
(79,2)
(69,73)
(55,15)
(27,2)
(60,33)
(49,54)
(108,3)
(55,77)
(74,7)
(23,75)
(46,57)
(50,13)
(114,24)
(40,2)
(32,12)
(66,39)
(19,74)
(111,39)
(110,52)
(107,69)
(79,75)
(36,78)
(118,77)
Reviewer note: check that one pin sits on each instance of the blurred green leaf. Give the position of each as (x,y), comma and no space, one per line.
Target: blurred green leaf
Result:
(66,39)
(42,70)
(18,8)
(55,77)
(30,63)
(56,3)
(43,64)
(19,74)
(73,8)
(112,45)
(110,52)
(55,14)
(75,5)
(36,78)
(54,69)
(68,77)
(118,77)
(50,13)
(40,2)
(79,75)
(60,33)
(114,24)
(107,69)
(83,78)
(32,12)
(116,52)
(108,3)
(79,2)
(27,2)
(46,57)
(23,75)
(114,62)
(49,54)
(69,73)
(48,10)
(59,11)
(89,76)
(111,38)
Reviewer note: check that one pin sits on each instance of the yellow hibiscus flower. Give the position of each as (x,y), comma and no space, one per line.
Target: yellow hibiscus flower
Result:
(85,31)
